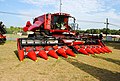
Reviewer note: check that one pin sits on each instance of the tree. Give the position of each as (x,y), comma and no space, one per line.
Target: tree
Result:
(13,29)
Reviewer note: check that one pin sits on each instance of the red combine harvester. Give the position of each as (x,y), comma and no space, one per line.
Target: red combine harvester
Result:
(2,31)
(53,35)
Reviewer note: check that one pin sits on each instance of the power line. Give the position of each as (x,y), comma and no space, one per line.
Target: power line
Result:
(11,13)
(118,26)
(86,21)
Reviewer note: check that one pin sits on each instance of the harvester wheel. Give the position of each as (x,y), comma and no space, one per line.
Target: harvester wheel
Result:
(4,39)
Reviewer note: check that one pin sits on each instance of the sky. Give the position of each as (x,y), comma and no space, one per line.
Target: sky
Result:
(82,10)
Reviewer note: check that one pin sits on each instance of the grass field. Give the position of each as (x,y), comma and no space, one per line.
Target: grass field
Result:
(102,67)
(13,37)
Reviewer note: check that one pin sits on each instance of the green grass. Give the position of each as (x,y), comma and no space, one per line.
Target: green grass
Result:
(114,45)
(14,36)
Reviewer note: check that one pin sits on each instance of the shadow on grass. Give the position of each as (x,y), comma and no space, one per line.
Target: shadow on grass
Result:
(107,59)
(98,73)
(2,43)
(114,45)
(16,53)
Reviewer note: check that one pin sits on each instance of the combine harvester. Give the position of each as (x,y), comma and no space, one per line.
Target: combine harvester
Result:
(2,31)
(54,35)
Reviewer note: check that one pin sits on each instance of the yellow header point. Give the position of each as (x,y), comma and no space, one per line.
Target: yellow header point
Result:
(58,58)
(36,60)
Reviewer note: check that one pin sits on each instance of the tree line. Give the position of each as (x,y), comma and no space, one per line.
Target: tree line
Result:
(14,30)
(98,31)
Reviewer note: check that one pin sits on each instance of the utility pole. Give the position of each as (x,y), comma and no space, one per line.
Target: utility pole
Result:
(60,5)
(107,23)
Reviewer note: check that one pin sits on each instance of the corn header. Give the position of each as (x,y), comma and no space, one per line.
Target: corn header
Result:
(54,35)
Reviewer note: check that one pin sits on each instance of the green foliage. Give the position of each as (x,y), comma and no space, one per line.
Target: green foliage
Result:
(94,31)
(13,30)
(80,31)
(98,31)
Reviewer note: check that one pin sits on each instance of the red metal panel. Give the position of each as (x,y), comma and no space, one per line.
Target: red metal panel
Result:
(47,24)
(59,31)
(36,25)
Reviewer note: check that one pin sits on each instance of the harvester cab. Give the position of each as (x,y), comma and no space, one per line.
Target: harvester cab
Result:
(51,25)
(2,31)
(53,35)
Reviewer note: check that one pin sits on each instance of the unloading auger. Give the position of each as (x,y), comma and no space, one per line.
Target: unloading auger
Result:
(54,35)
